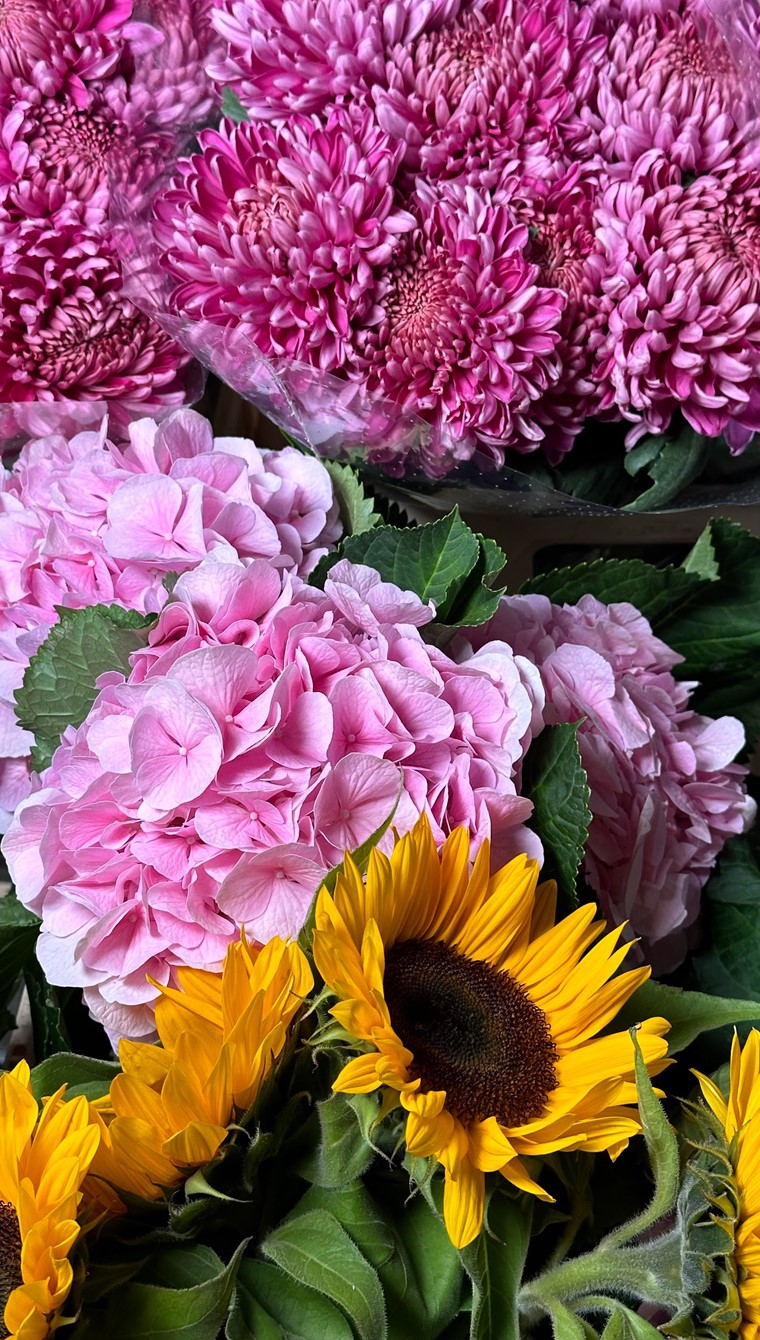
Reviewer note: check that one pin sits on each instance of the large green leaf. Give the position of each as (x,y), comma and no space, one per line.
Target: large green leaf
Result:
(671,463)
(184,1293)
(689,1012)
(48,1028)
(729,962)
(555,780)
(83,1075)
(59,683)
(495,1263)
(315,1250)
(271,1305)
(356,509)
(724,622)
(660,593)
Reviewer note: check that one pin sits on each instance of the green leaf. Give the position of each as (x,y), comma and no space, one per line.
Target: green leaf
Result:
(356,510)
(495,1263)
(723,624)
(671,463)
(315,1250)
(48,1029)
(662,1148)
(59,684)
(701,558)
(183,1293)
(733,691)
(232,107)
(435,1264)
(555,780)
(689,1012)
(729,963)
(565,1324)
(83,1075)
(660,593)
(625,1324)
(342,1153)
(270,1305)
(18,935)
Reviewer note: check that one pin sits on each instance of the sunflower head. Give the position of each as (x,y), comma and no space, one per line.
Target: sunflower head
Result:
(44,1158)
(738,1117)
(169,1110)
(465,998)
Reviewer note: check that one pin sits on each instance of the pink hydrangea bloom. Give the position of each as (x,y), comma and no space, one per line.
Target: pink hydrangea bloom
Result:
(665,792)
(681,311)
(465,334)
(266,727)
(84,522)
(285,232)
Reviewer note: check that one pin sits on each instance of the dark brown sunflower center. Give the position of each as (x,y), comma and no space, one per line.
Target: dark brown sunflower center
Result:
(473,1031)
(10,1259)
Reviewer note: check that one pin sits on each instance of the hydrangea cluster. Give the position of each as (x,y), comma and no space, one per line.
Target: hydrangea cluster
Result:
(665,792)
(267,727)
(492,214)
(83,522)
(87,92)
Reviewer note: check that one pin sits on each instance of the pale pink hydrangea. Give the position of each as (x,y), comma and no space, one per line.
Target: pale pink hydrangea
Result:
(665,791)
(267,727)
(83,522)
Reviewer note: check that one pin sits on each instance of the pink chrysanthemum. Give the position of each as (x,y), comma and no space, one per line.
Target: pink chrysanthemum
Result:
(303,56)
(665,792)
(169,86)
(670,85)
(285,232)
(683,311)
(268,727)
(62,46)
(493,93)
(67,331)
(466,336)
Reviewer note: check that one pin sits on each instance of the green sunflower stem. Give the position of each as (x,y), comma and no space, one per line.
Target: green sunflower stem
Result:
(647,1273)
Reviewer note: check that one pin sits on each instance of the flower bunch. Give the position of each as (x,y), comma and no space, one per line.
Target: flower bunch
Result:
(84,521)
(87,94)
(500,216)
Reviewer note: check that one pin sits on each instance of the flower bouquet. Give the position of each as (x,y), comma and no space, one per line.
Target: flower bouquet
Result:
(493,241)
(358,901)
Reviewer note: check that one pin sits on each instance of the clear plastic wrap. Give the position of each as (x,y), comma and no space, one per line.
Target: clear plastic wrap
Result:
(338,417)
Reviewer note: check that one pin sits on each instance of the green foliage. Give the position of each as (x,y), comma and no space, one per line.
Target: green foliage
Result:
(494,1263)
(48,1029)
(555,780)
(443,561)
(83,1075)
(722,622)
(728,963)
(344,1148)
(271,1305)
(314,1249)
(658,592)
(59,683)
(18,935)
(357,511)
(671,463)
(232,107)
(690,1012)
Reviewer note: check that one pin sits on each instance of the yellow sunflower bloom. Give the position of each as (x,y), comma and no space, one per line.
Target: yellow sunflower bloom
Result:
(169,1111)
(480,1013)
(44,1158)
(740,1119)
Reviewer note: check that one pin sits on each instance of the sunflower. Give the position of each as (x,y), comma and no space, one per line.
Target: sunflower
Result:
(44,1158)
(740,1119)
(169,1110)
(480,1013)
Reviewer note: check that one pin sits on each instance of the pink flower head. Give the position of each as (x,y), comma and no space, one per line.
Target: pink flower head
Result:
(286,232)
(665,793)
(490,94)
(83,521)
(169,86)
(62,46)
(682,310)
(267,726)
(670,84)
(66,329)
(302,57)
(466,336)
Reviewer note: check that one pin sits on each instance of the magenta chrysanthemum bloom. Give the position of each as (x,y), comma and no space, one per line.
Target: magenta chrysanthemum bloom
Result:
(285,232)
(670,85)
(267,727)
(169,86)
(303,56)
(68,331)
(466,336)
(683,311)
(665,792)
(62,46)
(492,93)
